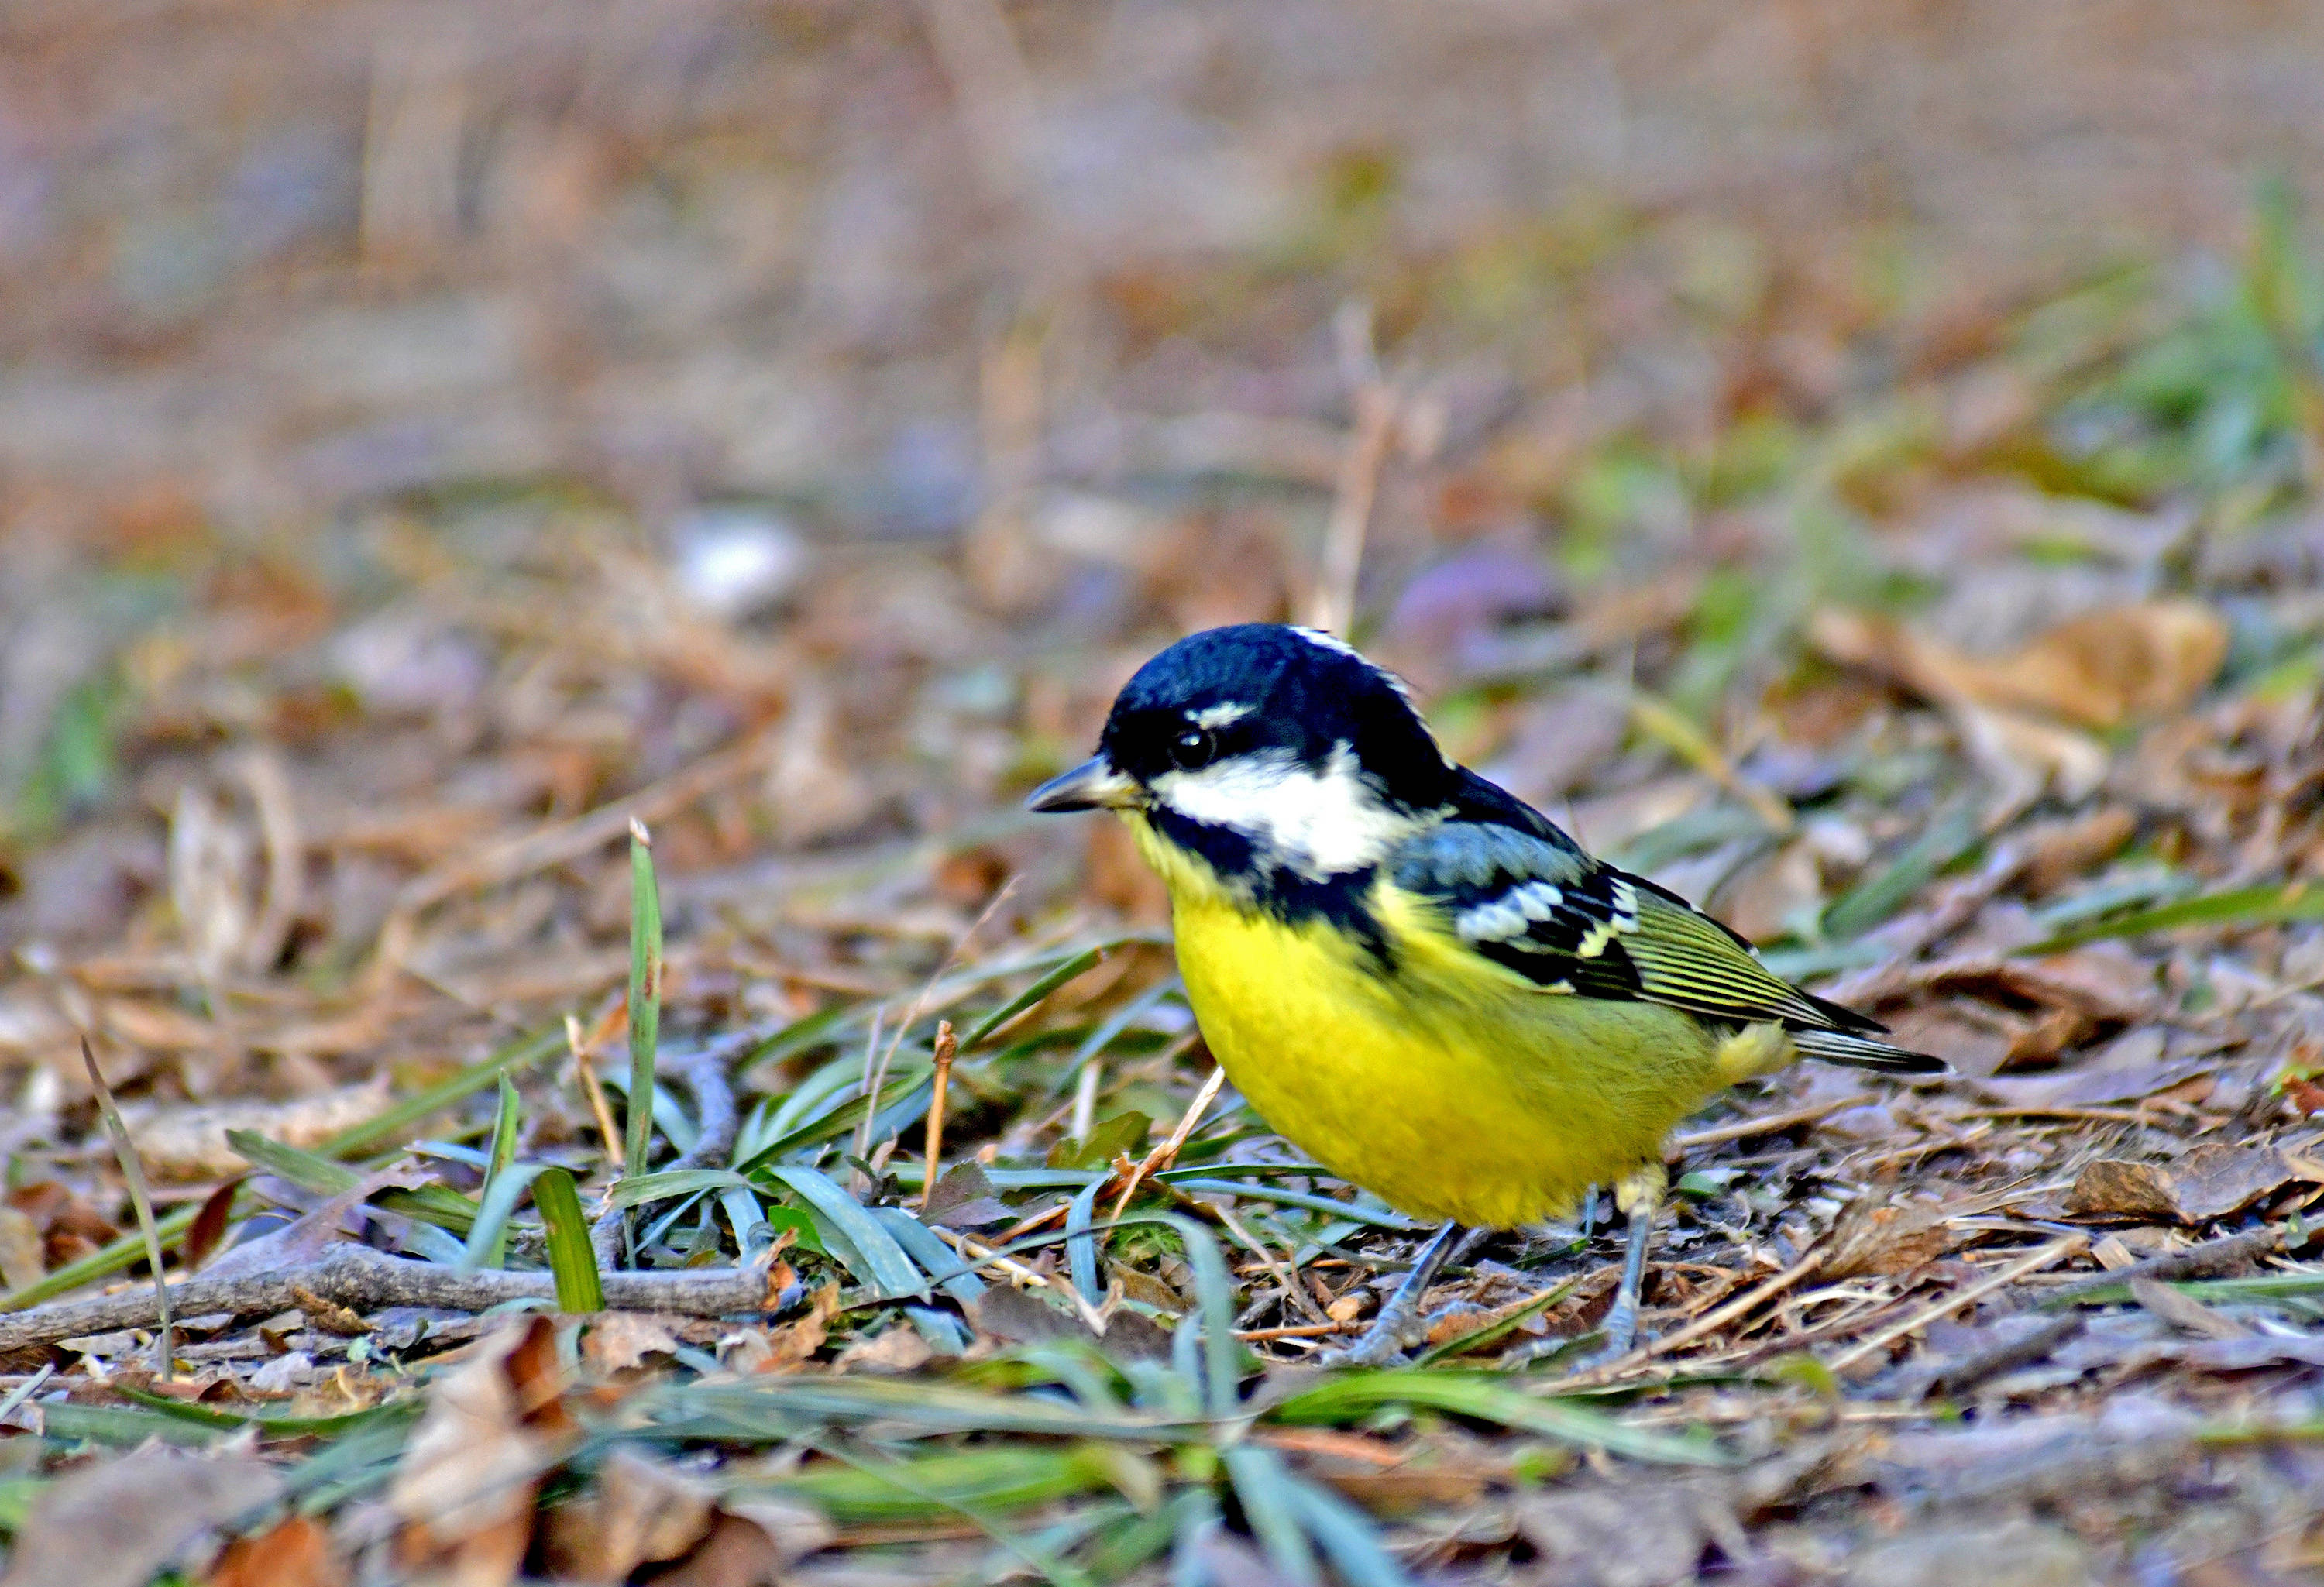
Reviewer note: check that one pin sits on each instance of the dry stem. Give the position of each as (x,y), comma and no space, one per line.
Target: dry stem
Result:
(363,1279)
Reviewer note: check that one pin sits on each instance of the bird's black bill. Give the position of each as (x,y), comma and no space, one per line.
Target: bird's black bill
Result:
(1094,785)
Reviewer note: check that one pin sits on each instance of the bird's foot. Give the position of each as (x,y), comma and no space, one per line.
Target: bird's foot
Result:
(1401,1324)
(1382,1344)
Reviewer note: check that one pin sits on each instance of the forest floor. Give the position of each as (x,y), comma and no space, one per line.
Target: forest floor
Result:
(1964,651)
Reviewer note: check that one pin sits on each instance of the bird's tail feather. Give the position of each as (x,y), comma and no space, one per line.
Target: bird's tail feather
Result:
(1861,1052)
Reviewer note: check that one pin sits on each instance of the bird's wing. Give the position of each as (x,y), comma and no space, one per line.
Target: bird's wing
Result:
(1533,901)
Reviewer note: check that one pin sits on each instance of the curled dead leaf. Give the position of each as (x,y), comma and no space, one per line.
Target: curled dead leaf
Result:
(298,1552)
(1874,1235)
(115,1523)
(2148,657)
(619,1342)
(785,1348)
(186,1143)
(2209,1182)
(641,1512)
(465,1487)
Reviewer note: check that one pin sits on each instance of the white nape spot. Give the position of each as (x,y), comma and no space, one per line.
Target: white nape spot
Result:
(1219,716)
(1337,646)
(1320,824)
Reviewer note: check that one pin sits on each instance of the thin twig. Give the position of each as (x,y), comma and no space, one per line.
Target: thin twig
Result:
(363,1279)
(874,1079)
(1331,605)
(1161,1155)
(979,1255)
(2056,1251)
(947,1048)
(1275,1267)
(1710,1322)
(580,1047)
(2195,1261)
(142,1199)
(1772,1124)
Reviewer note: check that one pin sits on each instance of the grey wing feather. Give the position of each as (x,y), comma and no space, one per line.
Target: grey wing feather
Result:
(1539,905)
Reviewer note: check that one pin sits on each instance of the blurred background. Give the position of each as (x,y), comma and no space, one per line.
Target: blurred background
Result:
(1854,461)
(422,425)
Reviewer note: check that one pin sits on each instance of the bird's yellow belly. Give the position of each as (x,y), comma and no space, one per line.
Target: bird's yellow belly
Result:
(1450,1093)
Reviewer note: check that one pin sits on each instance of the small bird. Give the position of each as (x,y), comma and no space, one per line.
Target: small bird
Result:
(1413,974)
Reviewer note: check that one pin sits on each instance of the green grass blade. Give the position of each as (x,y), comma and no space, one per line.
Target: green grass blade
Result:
(902,1091)
(1348,1397)
(301,1168)
(1080,965)
(645,995)
(1263,1488)
(391,1125)
(1349,1540)
(393,1413)
(672,1182)
(1197,1517)
(2268,904)
(1080,1245)
(1213,1305)
(1952,834)
(773,1407)
(920,1244)
(437,1204)
(571,1258)
(134,1173)
(397,1121)
(499,1159)
(1297,1198)
(488,1238)
(891,1273)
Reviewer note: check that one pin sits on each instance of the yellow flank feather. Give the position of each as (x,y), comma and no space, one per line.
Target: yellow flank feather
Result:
(1463,1090)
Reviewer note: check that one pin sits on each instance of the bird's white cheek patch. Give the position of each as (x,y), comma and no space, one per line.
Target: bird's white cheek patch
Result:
(1320,824)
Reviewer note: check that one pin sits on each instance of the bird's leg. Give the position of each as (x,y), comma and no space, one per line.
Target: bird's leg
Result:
(1639,1193)
(1384,1341)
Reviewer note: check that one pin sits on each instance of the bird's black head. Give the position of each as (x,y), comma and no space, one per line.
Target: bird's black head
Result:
(1283,739)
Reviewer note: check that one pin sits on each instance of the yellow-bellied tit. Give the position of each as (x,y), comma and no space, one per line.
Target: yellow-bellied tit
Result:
(1409,971)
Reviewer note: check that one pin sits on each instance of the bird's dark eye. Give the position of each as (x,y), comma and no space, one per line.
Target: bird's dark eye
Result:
(1193,749)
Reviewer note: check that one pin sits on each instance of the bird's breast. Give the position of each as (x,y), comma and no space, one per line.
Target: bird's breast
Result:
(1423,1074)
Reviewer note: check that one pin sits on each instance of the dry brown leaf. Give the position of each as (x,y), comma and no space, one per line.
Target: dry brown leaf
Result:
(23,1256)
(786,1349)
(1768,896)
(2028,757)
(188,1143)
(2122,1189)
(2151,658)
(2209,1182)
(115,1523)
(619,1342)
(2021,1554)
(897,1348)
(2185,1311)
(2146,659)
(297,1553)
(641,1512)
(2058,851)
(2013,711)
(1876,1236)
(752,1542)
(465,1486)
